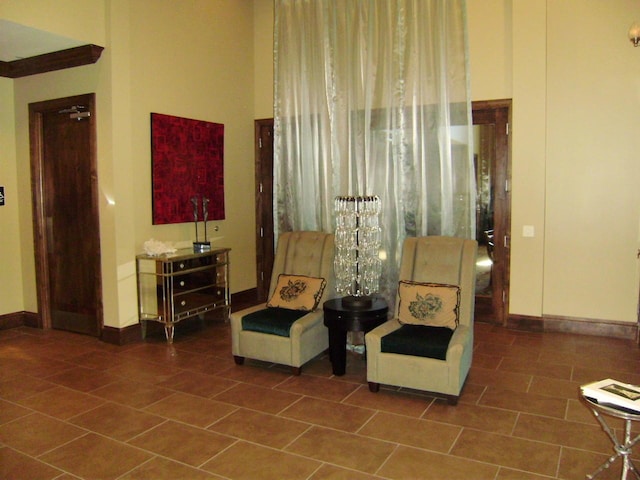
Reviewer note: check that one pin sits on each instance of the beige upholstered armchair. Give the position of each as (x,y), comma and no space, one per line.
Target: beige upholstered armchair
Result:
(284,330)
(434,357)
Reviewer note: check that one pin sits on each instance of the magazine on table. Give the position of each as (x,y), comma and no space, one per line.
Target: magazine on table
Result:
(613,393)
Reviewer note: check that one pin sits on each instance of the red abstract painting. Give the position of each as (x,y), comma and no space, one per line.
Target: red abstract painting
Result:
(187,161)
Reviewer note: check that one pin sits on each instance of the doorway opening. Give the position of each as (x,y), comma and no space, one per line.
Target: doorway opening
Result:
(65,214)
(493,208)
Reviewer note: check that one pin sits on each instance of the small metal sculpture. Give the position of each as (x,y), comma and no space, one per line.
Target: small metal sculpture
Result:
(199,246)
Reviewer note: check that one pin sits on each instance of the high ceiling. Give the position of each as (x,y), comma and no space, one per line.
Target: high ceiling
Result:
(18,41)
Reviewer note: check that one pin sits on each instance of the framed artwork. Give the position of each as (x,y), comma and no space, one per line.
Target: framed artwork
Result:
(187,159)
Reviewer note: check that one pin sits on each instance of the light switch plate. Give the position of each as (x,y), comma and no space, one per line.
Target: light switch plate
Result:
(528,231)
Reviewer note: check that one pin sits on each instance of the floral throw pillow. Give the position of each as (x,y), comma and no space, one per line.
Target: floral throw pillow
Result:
(432,304)
(297,292)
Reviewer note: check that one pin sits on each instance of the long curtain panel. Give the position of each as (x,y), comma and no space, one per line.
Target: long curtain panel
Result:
(372,98)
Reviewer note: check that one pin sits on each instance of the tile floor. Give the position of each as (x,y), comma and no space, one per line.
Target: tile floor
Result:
(73,407)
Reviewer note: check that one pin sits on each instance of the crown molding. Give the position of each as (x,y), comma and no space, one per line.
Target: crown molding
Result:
(49,62)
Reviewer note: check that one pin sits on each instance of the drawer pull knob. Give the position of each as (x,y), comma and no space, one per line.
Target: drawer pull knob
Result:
(182,283)
(182,265)
(183,303)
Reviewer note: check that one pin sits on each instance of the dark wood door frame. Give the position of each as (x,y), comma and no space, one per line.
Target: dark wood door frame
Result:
(264,205)
(498,113)
(38,188)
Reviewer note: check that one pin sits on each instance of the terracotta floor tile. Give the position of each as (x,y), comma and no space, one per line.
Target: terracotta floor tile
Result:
(537,368)
(490,362)
(507,351)
(343,449)
(163,469)
(132,393)
(577,464)
(25,434)
(554,387)
(525,402)
(318,387)
(23,386)
(197,383)
(98,359)
(143,371)
(191,409)
(509,474)
(262,375)
(390,401)
(183,443)
(10,411)
(494,378)
(61,402)
(262,428)
(246,461)
(519,416)
(329,414)
(117,421)
(411,432)
(83,379)
(474,416)
(516,453)
(94,456)
(258,398)
(562,432)
(331,472)
(411,463)
(15,465)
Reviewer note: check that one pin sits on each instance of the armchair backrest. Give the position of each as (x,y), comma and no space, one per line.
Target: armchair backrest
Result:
(305,253)
(447,260)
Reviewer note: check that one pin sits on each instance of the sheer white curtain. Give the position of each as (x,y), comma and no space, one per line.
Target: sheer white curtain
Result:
(372,98)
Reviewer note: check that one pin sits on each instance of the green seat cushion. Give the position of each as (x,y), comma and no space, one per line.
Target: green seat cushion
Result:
(419,341)
(274,321)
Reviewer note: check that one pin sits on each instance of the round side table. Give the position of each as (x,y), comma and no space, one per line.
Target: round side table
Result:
(341,318)
(622,448)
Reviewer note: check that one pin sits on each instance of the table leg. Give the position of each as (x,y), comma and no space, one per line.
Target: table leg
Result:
(338,350)
(623,450)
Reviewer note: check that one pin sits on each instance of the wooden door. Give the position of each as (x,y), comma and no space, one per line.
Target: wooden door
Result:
(65,206)
(264,205)
(493,223)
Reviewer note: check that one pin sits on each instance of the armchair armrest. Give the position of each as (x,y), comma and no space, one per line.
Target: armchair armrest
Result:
(459,341)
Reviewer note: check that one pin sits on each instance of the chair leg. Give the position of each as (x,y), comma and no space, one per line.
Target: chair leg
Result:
(374,387)
(452,400)
(238,360)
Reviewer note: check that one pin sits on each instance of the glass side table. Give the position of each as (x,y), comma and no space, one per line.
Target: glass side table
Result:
(622,448)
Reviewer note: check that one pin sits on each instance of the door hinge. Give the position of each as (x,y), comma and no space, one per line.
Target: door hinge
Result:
(259,142)
(504,297)
(507,186)
(507,129)
(260,187)
(261,232)
(506,241)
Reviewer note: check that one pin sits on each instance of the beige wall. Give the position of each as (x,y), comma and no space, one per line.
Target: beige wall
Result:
(190,58)
(575,172)
(574,79)
(11,293)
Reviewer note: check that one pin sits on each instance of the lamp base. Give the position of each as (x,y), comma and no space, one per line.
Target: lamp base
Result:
(357,303)
(199,247)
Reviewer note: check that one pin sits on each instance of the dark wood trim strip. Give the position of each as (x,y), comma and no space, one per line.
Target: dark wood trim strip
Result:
(19,319)
(580,326)
(48,62)
(121,336)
